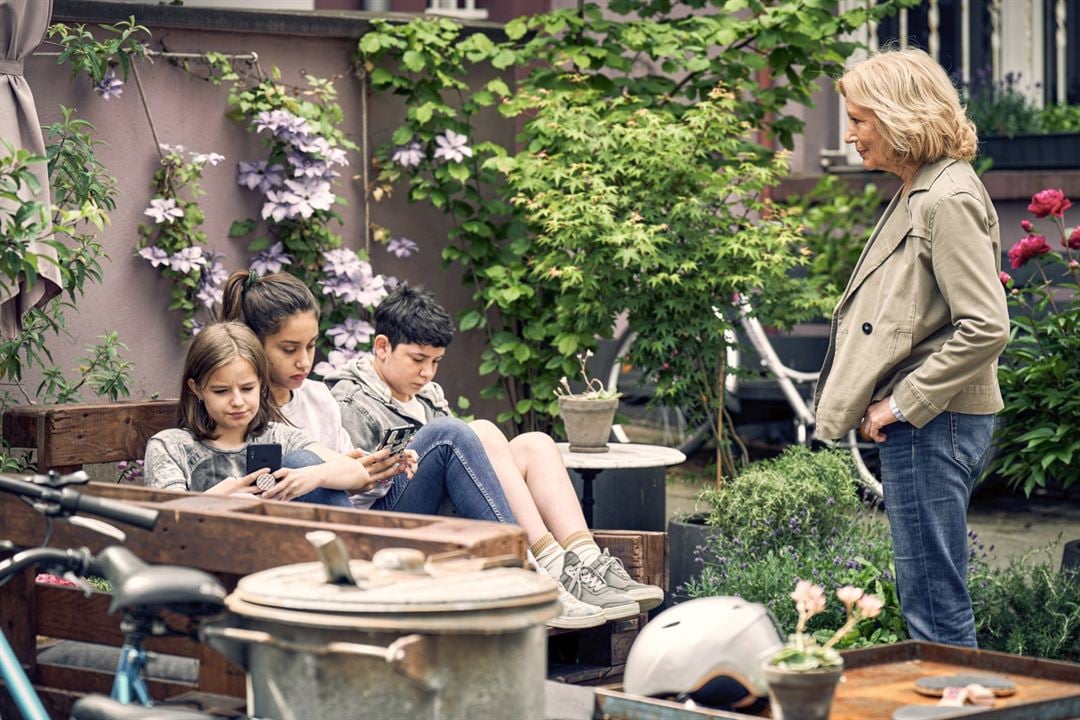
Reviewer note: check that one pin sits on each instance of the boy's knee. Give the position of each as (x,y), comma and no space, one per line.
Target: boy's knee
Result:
(457,431)
(487,431)
(533,443)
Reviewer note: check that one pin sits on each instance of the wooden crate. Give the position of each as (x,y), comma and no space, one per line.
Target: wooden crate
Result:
(598,655)
(230,537)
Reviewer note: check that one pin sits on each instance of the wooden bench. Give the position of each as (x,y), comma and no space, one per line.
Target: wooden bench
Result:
(232,537)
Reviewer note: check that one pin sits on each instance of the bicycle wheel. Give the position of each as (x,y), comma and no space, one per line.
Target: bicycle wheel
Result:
(643,418)
(866,464)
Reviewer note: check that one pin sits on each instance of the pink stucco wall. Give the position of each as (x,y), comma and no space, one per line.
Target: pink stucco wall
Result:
(133,299)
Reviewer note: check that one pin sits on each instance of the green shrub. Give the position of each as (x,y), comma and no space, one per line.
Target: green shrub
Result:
(858,554)
(837,223)
(798,498)
(796,517)
(1027,608)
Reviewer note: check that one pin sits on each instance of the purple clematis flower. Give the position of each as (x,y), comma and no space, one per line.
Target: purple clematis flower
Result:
(163,210)
(309,167)
(409,155)
(402,247)
(155,255)
(256,174)
(453,147)
(351,333)
(337,359)
(308,195)
(343,262)
(271,260)
(210,295)
(278,205)
(210,159)
(282,123)
(110,86)
(188,259)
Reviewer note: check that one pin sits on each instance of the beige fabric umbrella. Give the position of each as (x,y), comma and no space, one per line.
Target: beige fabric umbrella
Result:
(22,28)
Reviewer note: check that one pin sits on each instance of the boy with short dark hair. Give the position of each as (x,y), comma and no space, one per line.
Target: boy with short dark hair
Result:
(396,385)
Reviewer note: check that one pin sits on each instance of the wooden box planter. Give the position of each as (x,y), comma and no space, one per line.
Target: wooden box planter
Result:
(1032,152)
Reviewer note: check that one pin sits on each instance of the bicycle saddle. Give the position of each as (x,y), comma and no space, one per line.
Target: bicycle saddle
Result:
(139,586)
(99,707)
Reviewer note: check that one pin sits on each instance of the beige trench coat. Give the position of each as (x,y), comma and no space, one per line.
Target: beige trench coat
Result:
(923,316)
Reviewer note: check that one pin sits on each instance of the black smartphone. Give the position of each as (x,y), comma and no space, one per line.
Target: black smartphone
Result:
(396,438)
(263,456)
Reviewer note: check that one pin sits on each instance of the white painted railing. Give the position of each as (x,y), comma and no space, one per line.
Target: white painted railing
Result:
(1017,47)
(464,9)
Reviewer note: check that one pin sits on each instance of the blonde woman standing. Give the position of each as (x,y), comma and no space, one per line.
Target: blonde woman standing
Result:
(912,361)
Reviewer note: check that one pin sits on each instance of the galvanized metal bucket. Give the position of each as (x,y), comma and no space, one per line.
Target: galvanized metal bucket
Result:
(398,644)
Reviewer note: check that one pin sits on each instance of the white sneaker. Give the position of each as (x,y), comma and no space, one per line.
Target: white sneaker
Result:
(613,573)
(576,614)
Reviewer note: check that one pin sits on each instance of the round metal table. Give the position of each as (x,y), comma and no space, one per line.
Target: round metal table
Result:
(620,456)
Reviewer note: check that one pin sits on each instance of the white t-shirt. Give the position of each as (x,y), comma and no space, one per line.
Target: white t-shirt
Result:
(315,411)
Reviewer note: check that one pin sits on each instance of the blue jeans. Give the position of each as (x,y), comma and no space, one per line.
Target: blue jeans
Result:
(452,464)
(319,496)
(928,474)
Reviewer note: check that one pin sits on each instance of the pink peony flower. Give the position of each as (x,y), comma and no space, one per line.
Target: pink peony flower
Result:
(1026,226)
(1073,241)
(1049,202)
(1005,278)
(1027,248)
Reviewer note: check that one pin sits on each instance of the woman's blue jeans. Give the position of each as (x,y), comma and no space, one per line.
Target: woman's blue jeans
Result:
(319,496)
(928,474)
(452,464)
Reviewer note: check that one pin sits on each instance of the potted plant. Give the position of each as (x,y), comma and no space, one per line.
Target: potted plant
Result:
(802,675)
(587,416)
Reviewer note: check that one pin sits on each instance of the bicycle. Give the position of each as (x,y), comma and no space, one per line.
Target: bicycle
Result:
(143,592)
(679,428)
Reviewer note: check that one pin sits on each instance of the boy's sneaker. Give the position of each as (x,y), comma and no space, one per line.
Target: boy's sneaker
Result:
(613,573)
(576,614)
(583,582)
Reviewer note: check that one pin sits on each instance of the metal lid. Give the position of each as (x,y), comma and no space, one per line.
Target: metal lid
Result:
(400,594)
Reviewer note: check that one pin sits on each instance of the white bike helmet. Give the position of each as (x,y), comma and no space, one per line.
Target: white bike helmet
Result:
(708,650)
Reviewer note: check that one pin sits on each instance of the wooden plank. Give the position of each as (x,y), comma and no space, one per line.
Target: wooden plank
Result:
(610,647)
(66,613)
(77,434)
(84,681)
(243,543)
(106,432)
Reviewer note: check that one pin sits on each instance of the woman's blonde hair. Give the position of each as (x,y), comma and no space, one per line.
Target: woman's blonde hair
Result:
(214,347)
(917,108)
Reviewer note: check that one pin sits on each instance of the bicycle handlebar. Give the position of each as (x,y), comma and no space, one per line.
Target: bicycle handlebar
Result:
(73,502)
(76,560)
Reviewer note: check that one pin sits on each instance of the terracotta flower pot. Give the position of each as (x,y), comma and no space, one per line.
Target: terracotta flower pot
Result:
(588,422)
(805,695)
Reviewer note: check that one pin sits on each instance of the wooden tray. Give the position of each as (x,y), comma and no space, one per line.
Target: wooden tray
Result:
(879,680)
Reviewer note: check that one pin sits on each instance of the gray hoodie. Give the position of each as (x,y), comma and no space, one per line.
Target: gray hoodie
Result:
(368,410)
